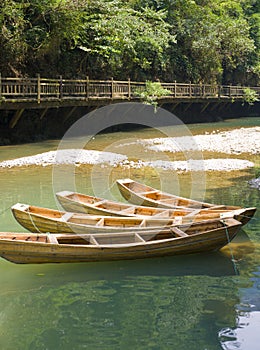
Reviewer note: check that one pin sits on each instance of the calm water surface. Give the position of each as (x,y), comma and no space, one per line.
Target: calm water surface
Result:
(206,301)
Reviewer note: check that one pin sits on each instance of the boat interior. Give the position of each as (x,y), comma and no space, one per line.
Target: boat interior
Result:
(97,239)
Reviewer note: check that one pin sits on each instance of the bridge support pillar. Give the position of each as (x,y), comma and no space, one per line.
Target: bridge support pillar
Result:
(187,107)
(204,107)
(73,109)
(16,118)
(43,113)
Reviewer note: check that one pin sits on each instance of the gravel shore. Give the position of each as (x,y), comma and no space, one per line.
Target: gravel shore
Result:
(238,141)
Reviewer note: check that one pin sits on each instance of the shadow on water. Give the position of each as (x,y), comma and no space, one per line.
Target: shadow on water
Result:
(113,305)
(142,304)
(212,264)
(215,264)
(177,303)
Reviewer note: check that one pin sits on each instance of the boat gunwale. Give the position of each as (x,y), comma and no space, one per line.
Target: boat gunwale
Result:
(236,224)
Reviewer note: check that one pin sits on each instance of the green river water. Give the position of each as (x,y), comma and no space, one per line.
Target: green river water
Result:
(198,302)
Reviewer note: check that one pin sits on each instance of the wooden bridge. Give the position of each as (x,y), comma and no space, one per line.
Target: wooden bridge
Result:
(19,94)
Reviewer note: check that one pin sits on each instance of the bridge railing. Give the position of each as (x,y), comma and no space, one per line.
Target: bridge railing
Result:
(43,89)
(18,87)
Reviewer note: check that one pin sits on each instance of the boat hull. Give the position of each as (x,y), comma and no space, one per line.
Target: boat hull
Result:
(76,202)
(140,194)
(48,220)
(26,252)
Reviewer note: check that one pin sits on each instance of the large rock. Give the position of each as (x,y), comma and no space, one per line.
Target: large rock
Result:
(255,183)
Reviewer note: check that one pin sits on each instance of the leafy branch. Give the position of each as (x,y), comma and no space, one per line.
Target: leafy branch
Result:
(250,96)
(151,93)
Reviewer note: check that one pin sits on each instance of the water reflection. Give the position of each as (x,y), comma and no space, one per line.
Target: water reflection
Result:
(245,335)
(198,301)
(155,303)
(172,302)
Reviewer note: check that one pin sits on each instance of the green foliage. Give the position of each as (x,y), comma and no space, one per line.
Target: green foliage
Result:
(211,41)
(12,27)
(213,37)
(2,99)
(151,92)
(250,96)
(127,41)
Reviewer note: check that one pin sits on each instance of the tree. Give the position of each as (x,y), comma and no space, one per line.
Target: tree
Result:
(211,41)
(213,38)
(125,42)
(53,32)
(12,44)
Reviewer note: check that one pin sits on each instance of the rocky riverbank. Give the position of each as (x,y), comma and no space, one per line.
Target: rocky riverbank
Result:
(236,142)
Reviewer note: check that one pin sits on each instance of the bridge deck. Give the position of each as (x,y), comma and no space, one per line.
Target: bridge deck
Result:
(16,93)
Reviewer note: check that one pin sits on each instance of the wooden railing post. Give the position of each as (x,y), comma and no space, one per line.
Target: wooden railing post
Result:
(112,88)
(87,87)
(61,88)
(200,89)
(129,88)
(0,87)
(190,92)
(219,91)
(175,88)
(38,88)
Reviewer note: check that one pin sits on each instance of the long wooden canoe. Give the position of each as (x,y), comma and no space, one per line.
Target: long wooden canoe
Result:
(83,203)
(38,219)
(61,248)
(141,194)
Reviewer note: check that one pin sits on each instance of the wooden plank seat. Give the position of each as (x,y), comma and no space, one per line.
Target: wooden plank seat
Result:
(216,207)
(164,213)
(92,240)
(100,222)
(143,223)
(139,238)
(170,201)
(178,232)
(149,192)
(65,217)
(52,239)
(128,210)
(193,213)
(99,203)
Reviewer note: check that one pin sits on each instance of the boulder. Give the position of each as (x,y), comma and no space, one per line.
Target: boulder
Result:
(255,183)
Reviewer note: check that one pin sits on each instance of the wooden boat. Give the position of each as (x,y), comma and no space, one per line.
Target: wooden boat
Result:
(59,248)
(141,194)
(42,220)
(82,203)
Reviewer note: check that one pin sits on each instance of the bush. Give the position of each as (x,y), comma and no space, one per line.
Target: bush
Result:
(250,96)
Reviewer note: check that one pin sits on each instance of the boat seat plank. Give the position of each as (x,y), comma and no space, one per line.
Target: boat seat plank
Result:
(143,223)
(193,212)
(128,210)
(65,217)
(52,239)
(149,192)
(99,202)
(100,222)
(139,237)
(92,240)
(170,201)
(217,207)
(164,213)
(178,232)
